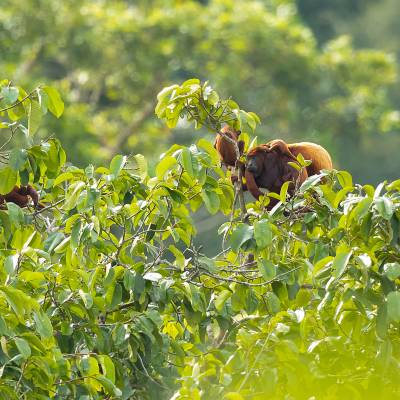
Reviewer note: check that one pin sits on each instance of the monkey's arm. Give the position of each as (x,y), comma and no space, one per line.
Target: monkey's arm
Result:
(251,185)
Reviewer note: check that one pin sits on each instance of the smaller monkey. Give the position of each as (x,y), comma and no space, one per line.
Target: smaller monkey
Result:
(21,197)
(225,148)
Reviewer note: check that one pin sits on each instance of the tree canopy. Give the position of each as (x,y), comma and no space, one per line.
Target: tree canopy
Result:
(103,293)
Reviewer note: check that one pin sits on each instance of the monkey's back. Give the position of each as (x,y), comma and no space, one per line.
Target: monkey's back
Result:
(319,156)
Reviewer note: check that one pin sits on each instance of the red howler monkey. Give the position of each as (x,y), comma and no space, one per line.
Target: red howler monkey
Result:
(225,148)
(267,165)
(20,196)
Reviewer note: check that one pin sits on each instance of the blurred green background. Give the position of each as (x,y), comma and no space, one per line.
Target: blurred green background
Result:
(324,71)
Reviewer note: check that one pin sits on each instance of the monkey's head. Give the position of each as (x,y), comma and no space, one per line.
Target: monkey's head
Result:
(232,133)
(263,162)
(269,162)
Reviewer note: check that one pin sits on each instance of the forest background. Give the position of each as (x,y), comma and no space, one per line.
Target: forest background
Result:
(311,69)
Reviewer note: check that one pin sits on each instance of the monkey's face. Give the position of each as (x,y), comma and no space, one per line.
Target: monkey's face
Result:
(264,165)
(253,165)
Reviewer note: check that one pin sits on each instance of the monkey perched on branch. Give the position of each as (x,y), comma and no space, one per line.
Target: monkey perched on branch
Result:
(267,165)
(21,196)
(226,148)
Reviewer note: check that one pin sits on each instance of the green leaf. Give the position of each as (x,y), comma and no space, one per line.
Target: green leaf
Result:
(107,367)
(23,347)
(187,162)
(166,92)
(345,179)
(43,324)
(384,207)
(34,117)
(273,302)
(267,269)
(108,386)
(15,214)
(263,233)
(152,276)
(139,165)
(54,102)
(86,298)
(392,270)
(52,241)
(66,176)
(393,306)
(233,396)
(221,299)
(361,209)
(164,165)
(10,263)
(283,192)
(18,159)
(241,235)
(211,200)
(295,165)
(253,143)
(211,151)
(310,182)
(301,160)
(382,321)
(9,95)
(72,195)
(117,164)
(213,98)
(340,262)
(18,301)
(8,179)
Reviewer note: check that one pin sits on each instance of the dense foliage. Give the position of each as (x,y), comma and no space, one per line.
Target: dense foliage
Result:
(104,295)
(109,58)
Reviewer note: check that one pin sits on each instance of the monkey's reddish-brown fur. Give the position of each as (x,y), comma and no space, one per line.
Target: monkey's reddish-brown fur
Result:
(268,168)
(225,148)
(319,156)
(21,197)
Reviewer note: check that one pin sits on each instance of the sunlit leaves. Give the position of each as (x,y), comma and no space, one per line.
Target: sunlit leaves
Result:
(203,105)
(340,262)
(384,207)
(139,165)
(109,280)
(34,117)
(116,165)
(54,102)
(164,165)
(23,347)
(8,179)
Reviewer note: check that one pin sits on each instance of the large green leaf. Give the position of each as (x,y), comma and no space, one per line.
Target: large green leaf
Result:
(34,117)
(263,233)
(393,306)
(241,235)
(8,179)
(54,101)
(340,262)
